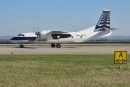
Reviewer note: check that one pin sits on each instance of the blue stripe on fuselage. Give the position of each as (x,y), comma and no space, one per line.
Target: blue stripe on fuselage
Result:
(24,38)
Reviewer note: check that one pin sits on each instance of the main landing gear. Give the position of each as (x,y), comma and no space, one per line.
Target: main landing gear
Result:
(58,45)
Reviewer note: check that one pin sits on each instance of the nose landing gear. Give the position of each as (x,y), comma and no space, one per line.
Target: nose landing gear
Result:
(21,46)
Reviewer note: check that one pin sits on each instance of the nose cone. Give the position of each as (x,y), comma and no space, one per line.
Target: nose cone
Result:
(12,38)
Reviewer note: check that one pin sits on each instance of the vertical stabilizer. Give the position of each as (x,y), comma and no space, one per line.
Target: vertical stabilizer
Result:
(104,21)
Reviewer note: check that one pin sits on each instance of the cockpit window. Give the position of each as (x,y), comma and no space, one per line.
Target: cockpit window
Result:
(21,35)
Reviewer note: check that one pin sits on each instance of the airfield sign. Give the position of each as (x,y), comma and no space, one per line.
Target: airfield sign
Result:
(120,57)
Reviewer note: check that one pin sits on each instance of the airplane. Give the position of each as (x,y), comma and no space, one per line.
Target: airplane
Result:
(56,38)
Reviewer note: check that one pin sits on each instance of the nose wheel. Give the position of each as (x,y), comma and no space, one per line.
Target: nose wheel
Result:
(21,46)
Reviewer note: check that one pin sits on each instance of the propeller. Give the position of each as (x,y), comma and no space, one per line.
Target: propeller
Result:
(38,35)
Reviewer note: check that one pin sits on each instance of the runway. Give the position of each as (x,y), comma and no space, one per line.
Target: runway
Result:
(66,49)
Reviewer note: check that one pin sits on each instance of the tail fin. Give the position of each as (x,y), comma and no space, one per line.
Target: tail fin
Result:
(104,21)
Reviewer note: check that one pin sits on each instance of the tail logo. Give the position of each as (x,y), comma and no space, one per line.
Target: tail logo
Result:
(104,21)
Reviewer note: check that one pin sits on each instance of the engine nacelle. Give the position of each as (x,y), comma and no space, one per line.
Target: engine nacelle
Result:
(44,35)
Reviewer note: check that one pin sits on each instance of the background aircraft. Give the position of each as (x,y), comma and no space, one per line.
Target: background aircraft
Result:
(56,38)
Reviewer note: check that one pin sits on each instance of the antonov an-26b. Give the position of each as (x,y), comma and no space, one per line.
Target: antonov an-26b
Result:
(56,38)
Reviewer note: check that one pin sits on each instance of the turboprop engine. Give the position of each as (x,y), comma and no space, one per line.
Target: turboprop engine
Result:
(42,35)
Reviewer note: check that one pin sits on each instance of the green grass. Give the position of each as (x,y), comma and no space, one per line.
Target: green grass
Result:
(62,71)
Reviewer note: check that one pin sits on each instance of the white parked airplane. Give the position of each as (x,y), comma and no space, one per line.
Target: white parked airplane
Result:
(56,38)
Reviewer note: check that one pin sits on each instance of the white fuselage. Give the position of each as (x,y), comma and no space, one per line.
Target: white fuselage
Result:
(76,37)
(46,37)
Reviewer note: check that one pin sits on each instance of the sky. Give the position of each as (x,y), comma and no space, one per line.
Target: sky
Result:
(17,16)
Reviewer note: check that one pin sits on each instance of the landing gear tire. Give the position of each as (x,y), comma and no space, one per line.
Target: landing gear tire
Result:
(58,45)
(21,46)
(53,45)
